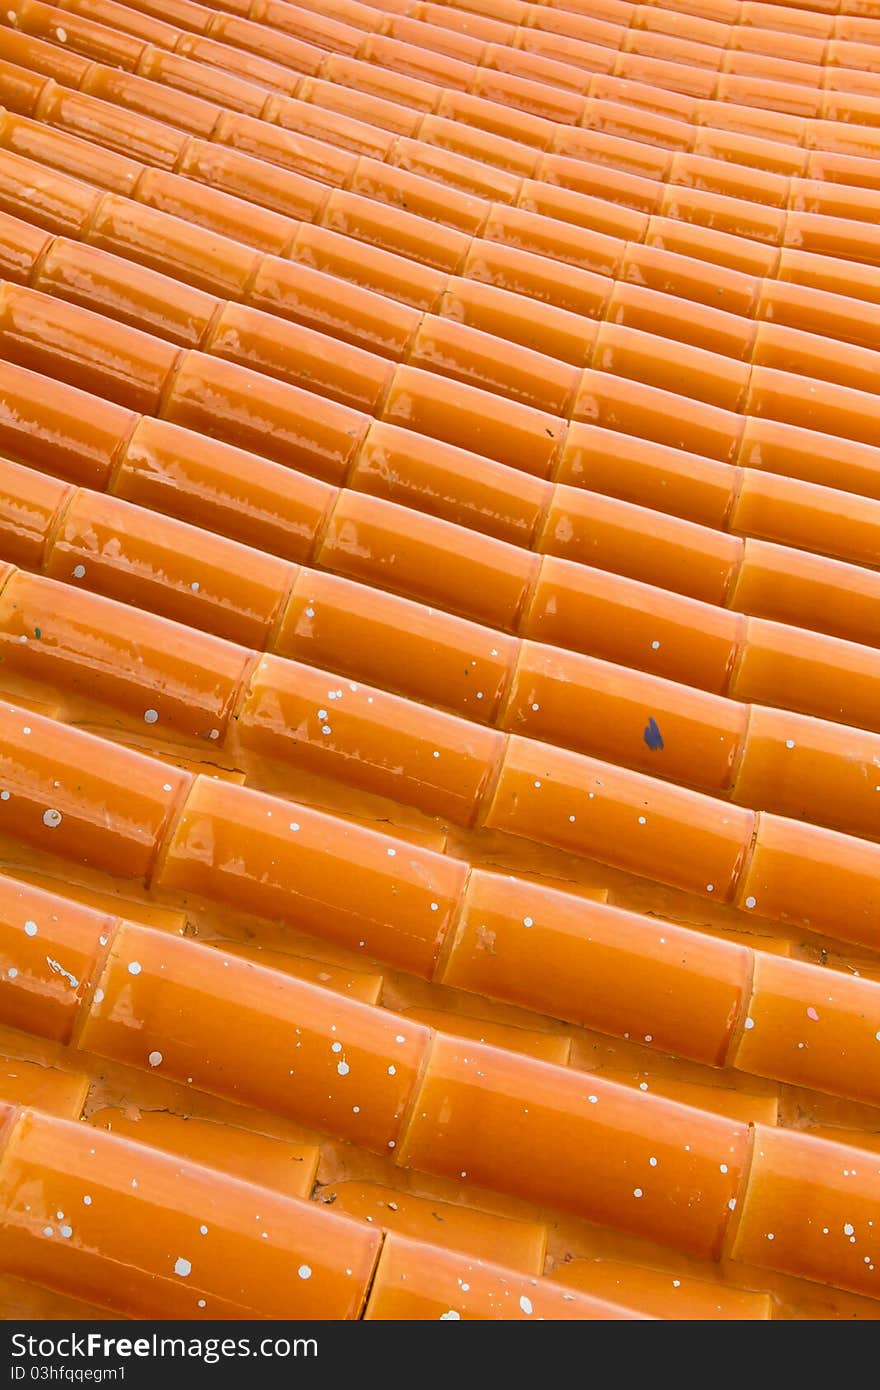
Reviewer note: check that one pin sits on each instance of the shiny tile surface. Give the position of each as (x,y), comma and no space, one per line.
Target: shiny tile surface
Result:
(439,670)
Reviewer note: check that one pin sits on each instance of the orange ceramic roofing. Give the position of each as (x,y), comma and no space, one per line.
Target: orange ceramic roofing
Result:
(439,659)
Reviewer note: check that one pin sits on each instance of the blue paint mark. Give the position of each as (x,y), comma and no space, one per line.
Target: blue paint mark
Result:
(653,736)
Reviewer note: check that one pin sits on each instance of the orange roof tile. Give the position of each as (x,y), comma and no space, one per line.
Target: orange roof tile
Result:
(439,486)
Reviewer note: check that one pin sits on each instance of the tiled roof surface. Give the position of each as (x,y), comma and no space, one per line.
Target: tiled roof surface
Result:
(439,670)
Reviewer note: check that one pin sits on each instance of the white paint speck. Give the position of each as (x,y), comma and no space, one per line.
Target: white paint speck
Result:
(305,1271)
(151,716)
(79,571)
(134,967)
(155,1059)
(30,928)
(52,818)
(183,1267)
(58,969)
